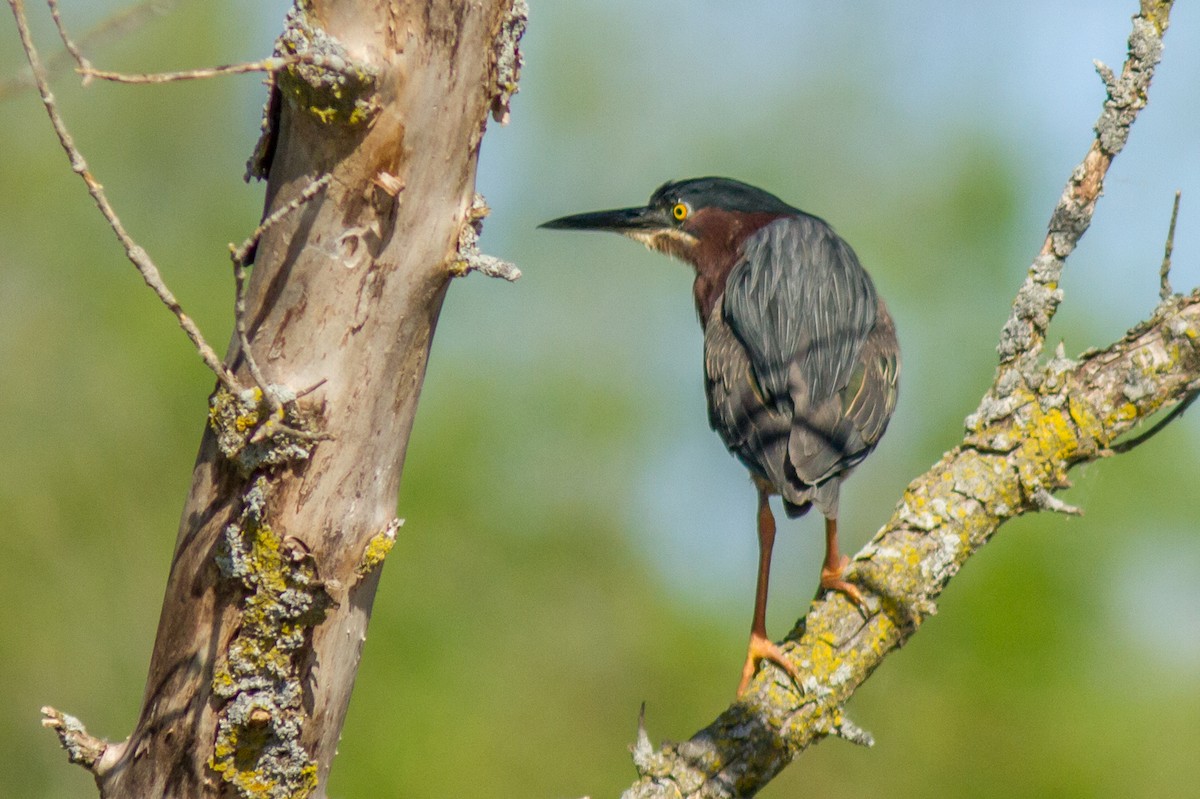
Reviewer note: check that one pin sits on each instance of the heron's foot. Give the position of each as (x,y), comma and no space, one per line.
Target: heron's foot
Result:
(832,580)
(761,648)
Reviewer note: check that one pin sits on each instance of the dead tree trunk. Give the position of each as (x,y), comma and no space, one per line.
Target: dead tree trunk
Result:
(294,490)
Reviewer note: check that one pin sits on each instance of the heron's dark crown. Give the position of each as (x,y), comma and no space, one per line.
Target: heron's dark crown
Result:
(725,194)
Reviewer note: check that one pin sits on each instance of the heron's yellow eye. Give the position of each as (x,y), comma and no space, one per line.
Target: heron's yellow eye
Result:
(680,212)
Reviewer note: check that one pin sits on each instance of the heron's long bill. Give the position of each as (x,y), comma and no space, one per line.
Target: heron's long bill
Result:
(618,220)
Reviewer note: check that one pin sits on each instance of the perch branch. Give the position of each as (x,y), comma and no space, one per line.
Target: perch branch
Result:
(1036,422)
(946,516)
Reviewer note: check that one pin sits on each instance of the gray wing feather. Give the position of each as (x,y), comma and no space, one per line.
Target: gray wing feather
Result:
(802,361)
(755,431)
(799,295)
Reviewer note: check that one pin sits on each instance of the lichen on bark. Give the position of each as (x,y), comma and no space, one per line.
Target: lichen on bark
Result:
(261,677)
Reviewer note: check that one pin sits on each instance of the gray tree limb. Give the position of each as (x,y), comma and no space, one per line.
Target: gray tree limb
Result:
(1038,420)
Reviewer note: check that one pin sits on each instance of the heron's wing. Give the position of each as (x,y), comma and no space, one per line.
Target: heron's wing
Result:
(799,296)
(755,431)
(870,397)
(805,311)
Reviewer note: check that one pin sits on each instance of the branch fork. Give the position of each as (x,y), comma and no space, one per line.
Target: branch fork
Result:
(1037,420)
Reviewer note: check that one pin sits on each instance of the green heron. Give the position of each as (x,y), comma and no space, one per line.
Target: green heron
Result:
(801,360)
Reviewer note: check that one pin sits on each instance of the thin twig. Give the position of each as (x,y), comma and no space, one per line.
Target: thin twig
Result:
(1164,273)
(271,64)
(134,251)
(120,23)
(72,48)
(245,254)
(312,388)
(239,324)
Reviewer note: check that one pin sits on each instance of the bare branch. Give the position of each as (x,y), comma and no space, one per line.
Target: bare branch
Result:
(271,65)
(254,660)
(72,48)
(134,251)
(1164,273)
(123,22)
(1036,422)
(1039,296)
(243,255)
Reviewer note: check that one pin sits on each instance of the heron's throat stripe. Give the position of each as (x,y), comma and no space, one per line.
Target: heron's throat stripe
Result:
(670,241)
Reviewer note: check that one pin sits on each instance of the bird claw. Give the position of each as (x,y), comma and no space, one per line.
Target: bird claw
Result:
(761,648)
(832,580)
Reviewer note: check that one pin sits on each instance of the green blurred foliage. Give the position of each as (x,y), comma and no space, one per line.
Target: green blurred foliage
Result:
(576,540)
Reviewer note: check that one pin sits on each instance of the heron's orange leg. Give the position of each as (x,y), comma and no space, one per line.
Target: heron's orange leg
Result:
(835,566)
(761,648)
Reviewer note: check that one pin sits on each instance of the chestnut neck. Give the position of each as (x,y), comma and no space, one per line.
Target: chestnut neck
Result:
(719,239)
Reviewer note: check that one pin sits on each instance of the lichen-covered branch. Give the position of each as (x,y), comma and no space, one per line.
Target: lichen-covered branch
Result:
(470,258)
(259,678)
(1025,330)
(1074,415)
(1038,420)
(507,59)
(82,748)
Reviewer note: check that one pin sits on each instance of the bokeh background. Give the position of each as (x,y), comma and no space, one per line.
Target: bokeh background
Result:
(577,540)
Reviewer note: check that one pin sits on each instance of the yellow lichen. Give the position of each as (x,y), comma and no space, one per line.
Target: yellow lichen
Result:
(325,115)
(257,748)
(377,549)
